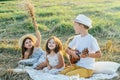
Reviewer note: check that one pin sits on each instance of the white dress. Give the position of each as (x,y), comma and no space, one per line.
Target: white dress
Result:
(53,61)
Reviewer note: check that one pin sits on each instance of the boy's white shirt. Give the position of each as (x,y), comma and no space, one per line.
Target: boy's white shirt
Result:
(80,43)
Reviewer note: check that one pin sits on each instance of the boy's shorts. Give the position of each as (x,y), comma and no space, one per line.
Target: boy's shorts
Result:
(74,70)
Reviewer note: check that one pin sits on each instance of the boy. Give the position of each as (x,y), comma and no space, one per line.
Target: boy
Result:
(85,65)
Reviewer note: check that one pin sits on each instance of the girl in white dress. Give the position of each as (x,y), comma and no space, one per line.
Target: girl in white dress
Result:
(54,58)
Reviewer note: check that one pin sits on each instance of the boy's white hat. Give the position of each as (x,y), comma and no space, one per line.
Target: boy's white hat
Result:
(25,36)
(84,20)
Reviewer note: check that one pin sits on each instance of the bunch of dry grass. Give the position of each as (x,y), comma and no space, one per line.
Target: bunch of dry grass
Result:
(29,8)
(9,75)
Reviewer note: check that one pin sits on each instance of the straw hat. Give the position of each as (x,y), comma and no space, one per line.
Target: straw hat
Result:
(84,20)
(25,36)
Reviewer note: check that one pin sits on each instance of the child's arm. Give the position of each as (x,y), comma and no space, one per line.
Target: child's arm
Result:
(41,66)
(71,52)
(95,47)
(38,35)
(38,41)
(26,55)
(61,61)
(97,54)
(48,65)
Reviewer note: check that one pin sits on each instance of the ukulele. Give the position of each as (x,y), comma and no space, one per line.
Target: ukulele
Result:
(74,60)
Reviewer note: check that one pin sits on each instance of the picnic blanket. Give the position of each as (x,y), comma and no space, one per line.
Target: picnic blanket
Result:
(40,75)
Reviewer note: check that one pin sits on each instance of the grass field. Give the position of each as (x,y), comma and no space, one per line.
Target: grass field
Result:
(55,17)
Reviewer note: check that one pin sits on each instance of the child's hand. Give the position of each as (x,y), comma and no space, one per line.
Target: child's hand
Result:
(49,67)
(74,55)
(85,53)
(83,56)
(38,68)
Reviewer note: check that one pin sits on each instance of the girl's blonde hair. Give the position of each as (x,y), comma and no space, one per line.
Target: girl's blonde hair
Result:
(58,46)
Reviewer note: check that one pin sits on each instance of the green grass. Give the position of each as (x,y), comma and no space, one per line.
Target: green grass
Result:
(55,17)
(103,13)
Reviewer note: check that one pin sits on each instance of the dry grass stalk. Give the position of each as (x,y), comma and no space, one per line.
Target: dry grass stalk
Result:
(30,9)
(109,46)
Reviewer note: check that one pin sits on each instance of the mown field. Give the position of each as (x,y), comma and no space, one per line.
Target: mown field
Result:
(55,17)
